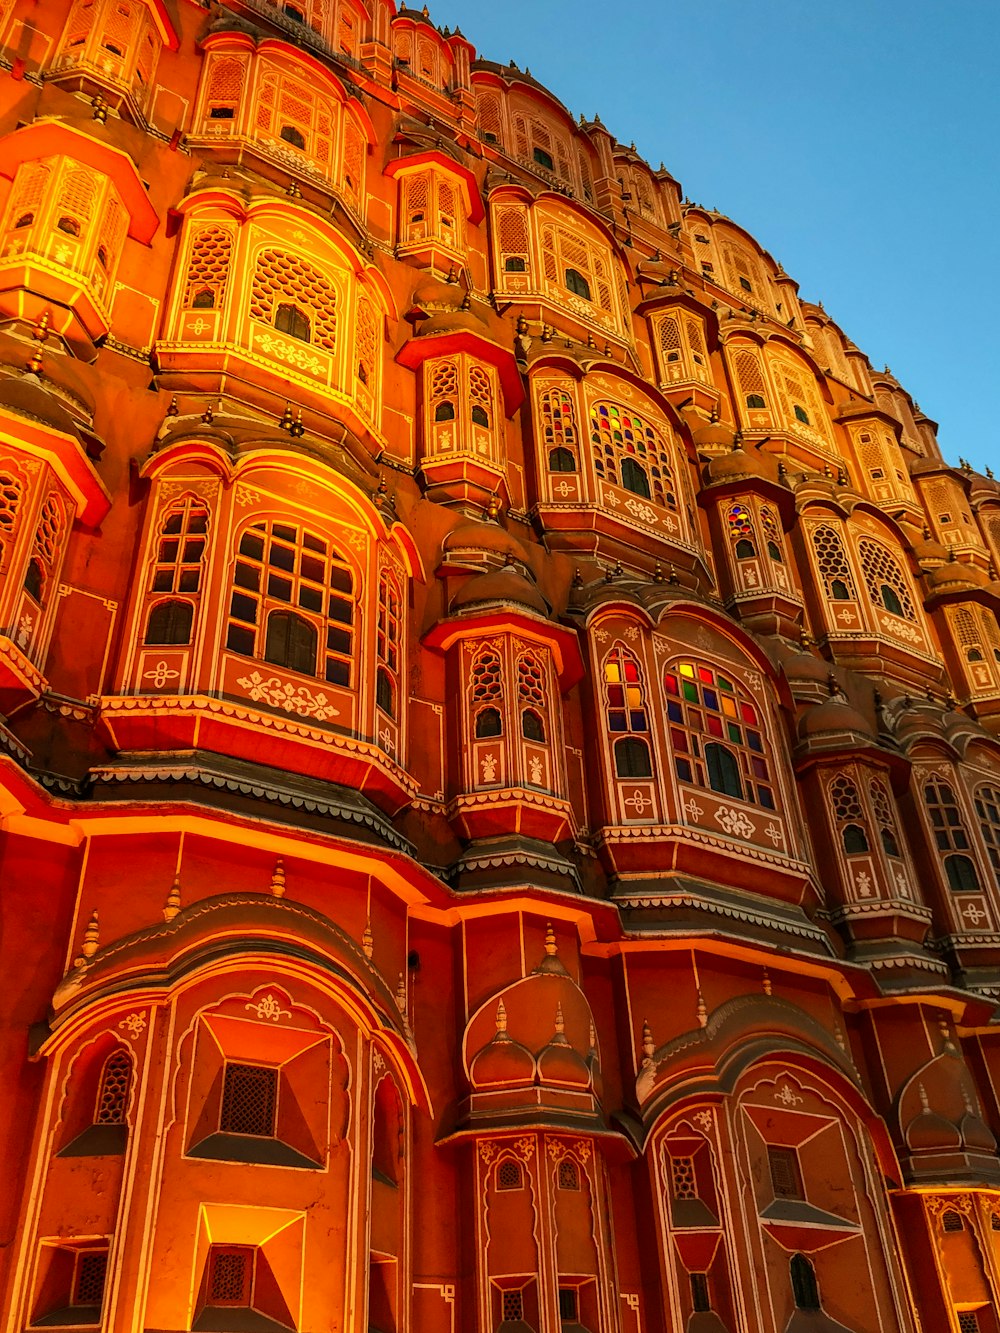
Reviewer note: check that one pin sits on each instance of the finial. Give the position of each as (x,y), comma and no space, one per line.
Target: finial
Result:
(91,937)
(593,1036)
(701,1010)
(368,940)
(922,1094)
(766,982)
(35,364)
(577,578)
(501,1019)
(172,906)
(451,276)
(100,109)
(293,190)
(401,994)
(172,408)
(41,329)
(493,507)
(648,1046)
(278,879)
(609,574)
(466,302)
(949,1045)
(658,573)
(989,473)
(297,430)
(286,417)
(551,948)
(207,416)
(671,574)
(560,1020)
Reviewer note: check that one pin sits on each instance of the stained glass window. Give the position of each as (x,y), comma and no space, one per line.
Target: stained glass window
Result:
(706,711)
(618,435)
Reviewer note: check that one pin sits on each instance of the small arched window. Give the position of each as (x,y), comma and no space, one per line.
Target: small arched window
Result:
(577,283)
(632,758)
(634,478)
(170,623)
(34,580)
(293,136)
(293,321)
(951,1220)
(561,460)
(569,1174)
(543,159)
(25,220)
(988,809)
(854,838)
(204,299)
(755,400)
(489,723)
(480,416)
(113,1090)
(514,264)
(532,726)
(69,225)
(509,1175)
(444,411)
(805,1290)
(962,875)
(839,591)
(890,600)
(291,642)
(385,692)
(745,549)
(801,414)
(723,770)
(889,844)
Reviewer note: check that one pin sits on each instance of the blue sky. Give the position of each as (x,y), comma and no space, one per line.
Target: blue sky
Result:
(857,140)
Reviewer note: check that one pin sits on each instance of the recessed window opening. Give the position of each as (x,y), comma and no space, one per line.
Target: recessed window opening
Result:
(577,283)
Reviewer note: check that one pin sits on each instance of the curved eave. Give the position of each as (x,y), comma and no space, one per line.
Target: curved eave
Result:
(433,157)
(51,138)
(564,642)
(417,350)
(65,456)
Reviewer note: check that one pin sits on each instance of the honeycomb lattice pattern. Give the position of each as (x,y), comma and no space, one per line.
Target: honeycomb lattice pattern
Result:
(880,569)
(487,684)
(569,1175)
(208,268)
(513,1307)
(508,1175)
(844,799)
(248,1100)
(91,1272)
(49,529)
(832,560)
(228,1283)
(281,277)
(10,499)
(682,1178)
(116,1081)
(530,681)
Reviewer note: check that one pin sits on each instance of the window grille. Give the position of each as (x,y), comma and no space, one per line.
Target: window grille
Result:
(513,1307)
(227,78)
(950,836)
(569,1175)
(354,161)
(739,523)
(281,278)
(208,269)
(49,530)
(90,1277)
(772,533)
(619,437)
(284,104)
(846,805)
(987,801)
(489,114)
(280,567)
(569,1305)
(530,681)
(249,1098)
(952,1221)
(11,491)
(366,345)
(706,708)
(487,678)
(801,406)
(169,622)
(230,1275)
(509,1175)
(805,1291)
(181,548)
(885,817)
(701,1296)
(968,1321)
(113,1093)
(626,713)
(886,583)
(682,345)
(387,639)
(786,1179)
(481,396)
(32,186)
(563,252)
(512,239)
(834,569)
(559,432)
(750,376)
(683,1182)
(995,1221)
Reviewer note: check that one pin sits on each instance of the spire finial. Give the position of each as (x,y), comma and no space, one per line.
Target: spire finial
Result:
(501,1018)
(278,879)
(648,1046)
(368,940)
(551,948)
(172,906)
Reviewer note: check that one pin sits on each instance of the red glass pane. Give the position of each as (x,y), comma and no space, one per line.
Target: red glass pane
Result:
(706,676)
(749,714)
(670,681)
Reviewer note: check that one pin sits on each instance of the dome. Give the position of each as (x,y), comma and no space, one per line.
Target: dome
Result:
(558,1062)
(502,585)
(489,538)
(27,396)
(713,436)
(502,1060)
(806,668)
(929,552)
(834,716)
(976,1134)
(741,463)
(929,1130)
(956,574)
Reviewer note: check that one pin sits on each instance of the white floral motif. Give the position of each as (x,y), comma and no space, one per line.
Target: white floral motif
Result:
(282,351)
(644,512)
(786,1096)
(735,822)
(632,633)
(134,1024)
(902,885)
(846,616)
(535,764)
(488,764)
(973,913)
(160,674)
(901,628)
(198,326)
(269,1008)
(24,631)
(288,697)
(692,809)
(704,1118)
(601,636)
(774,833)
(638,801)
(564,489)
(864,883)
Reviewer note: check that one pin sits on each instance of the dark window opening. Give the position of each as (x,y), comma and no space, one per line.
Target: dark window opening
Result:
(723,770)
(90,1278)
(568,1305)
(509,1175)
(25,220)
(890,599)
(701,1296)
(952,1221)
(385,692)
(962,874)
(755,400)
(532,726)
(839,592)
(479,416)
(249,1099)
(889,844)
(222,113)
(746,284)
(293,321)
(293,136)
(514,264)
(69,225)
(561,460)
(445,411)
(801,414)
(543,159)
(170,623)
(295,13)
(774,552)
(634,478)
(805,1291)
(230,1273)
(102,256)
(632,758)
(854,839)
(33,580)
(488,723)
(577,283)
(291,642)
(745,549)
(362,372)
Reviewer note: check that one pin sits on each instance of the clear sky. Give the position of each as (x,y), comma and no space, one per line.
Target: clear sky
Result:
(857,140)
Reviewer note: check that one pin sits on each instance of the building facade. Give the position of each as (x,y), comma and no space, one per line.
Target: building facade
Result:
(499,774)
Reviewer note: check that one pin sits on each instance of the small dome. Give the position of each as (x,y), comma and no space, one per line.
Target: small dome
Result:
(929,552)
(502,1060)
(502,585)
(740,463)
(488,537)
(439,295)
(976,1134)
(927,1130)
(833,716)
(806,668)
(558,1062)
(27,397)
(713,436)
(956,574)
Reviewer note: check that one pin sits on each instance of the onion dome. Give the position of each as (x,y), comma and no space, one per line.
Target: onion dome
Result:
(712,437)
(834,717)
(976,1134)
(558,1062)
(956,575)
(440,306)
(929,552)
(804,668)
(27,396)
(502,585)
(502,1060)
(487,538)
(927,1129)
(740,464)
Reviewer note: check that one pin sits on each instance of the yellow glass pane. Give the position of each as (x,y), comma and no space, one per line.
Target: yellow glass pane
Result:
(687,669)
(612,672)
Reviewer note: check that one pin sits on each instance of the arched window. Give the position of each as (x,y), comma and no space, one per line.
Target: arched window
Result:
(114,1089)
(488,723)
(293,136)
(886,583)
(632,759)
(629,452)
(387,640)
(831,557)
(805,1291)
(962,874)
(290,319)
(296,298)
(716,733)
(772,533)
(531,694)
(532,726)
(509,1176)
(988,809)
(208,269)
(577,283)
(561,460)
(280,567)
(479,416)
(34,581)
(950,836)
(854,838)
(750,378)
(11,491)
(170,622)
(845,803)
(385,692)
(739,522)
(755,400)
(723,770)
(568,1174)
(445,411)
(634,478)
(180,550)
(559,431)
